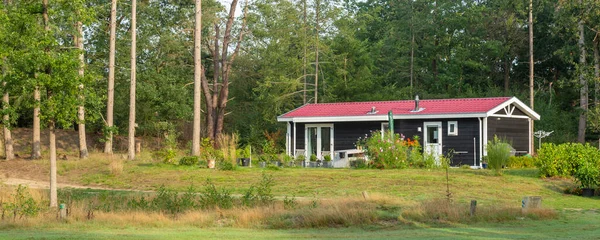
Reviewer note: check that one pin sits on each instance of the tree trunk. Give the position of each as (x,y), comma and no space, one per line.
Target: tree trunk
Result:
(51,125)
(131,130)
(8,142)
(583,92)
(216,94)
(111,78)
(305,43)
(317,3)
(197,79)
(36,144)
(83,152)
(36,150)
(596,71)
(506,76)
(52,138)
(531,96)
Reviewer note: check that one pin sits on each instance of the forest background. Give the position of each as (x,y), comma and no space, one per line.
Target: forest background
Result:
(293,52)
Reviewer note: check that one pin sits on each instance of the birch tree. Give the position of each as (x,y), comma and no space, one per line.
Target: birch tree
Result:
(131,130)
(197,78)
(110,101)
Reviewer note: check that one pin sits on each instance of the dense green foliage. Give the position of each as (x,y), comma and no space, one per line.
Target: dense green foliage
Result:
(568,159)
(368,50)
(387,152)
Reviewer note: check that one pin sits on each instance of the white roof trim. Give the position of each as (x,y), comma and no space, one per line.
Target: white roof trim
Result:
(378,117)
(528,111)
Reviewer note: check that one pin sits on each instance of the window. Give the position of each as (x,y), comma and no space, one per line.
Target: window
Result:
(452,128)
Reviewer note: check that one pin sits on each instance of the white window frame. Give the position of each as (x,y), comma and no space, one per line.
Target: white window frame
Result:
(455,132)
(383,129)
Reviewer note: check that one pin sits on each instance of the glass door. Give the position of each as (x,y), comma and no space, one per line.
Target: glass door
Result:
(433,139)
(319,140)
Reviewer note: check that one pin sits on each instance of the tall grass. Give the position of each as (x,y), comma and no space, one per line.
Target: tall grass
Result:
(498,153)
(228,146)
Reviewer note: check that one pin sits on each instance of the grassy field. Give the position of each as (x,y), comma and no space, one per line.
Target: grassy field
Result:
(571,225)
(578,217)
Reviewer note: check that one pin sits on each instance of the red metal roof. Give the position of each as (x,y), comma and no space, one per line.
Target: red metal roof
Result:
(402,107)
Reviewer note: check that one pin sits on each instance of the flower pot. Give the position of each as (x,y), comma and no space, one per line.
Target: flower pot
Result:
(312,164)
(211,163)
(245,162)
(587,192)
(262,164)
(484,165)
(327,164)
(276,163)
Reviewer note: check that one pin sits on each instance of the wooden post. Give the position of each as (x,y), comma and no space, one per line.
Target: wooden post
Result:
(138,146)
(365,195)
(63,211)
(473,207)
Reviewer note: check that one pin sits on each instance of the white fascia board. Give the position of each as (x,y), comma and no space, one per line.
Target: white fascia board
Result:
(378,118)
(532,114)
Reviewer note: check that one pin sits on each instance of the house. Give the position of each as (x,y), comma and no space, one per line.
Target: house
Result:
(464,125)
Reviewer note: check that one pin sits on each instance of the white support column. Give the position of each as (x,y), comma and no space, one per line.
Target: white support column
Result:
(530,135)
(295,136)
(480,145)
(331,143)
(485,136)
(288,139)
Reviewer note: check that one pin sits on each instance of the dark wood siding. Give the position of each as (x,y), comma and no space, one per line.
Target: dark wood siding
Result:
(345,134)
(300,136)
(468,129)
(515,130)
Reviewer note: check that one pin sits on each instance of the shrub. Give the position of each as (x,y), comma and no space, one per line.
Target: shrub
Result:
(212,197)
(313,158)
(563,160)
(498,152)
(226,166)
(189,160)
(588,175)
(521,162)
(396,152)
(22,204)
(261,193)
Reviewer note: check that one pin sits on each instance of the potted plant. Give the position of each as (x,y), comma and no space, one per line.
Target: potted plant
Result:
(289,160)
(262,160)
(327,161)
(301,160)
(276,160)
(313,161)
(244,156)
(588,176)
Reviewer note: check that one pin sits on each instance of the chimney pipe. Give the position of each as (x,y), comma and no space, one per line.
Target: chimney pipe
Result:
(416,103)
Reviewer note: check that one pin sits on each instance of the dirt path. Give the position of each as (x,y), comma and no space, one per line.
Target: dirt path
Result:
(46,185)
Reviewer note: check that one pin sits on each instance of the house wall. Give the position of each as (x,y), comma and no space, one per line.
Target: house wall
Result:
(345,134)
(466,150)
(515,130)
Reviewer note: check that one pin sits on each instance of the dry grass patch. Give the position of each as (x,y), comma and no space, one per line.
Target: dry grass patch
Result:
(441,211)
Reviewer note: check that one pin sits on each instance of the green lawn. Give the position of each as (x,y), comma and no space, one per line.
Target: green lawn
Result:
(578,216)
(571,225)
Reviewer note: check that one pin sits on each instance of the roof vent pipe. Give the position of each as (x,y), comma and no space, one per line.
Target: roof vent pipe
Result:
(416,103)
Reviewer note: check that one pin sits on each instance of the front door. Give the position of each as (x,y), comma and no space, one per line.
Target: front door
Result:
(433,139)
(319,140)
